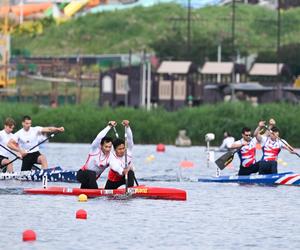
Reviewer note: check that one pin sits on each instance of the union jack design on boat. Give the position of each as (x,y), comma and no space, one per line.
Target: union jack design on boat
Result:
(287,178)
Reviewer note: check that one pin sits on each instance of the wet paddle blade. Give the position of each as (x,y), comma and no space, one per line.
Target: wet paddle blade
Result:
(224,160)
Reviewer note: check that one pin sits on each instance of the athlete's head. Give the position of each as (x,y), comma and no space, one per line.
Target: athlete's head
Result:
(26,122)
(9,125)
(119,146)
(274,134)
(246,134)
(106,144)
(226,134)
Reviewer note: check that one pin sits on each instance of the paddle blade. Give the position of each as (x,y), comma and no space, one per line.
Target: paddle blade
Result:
(224,160)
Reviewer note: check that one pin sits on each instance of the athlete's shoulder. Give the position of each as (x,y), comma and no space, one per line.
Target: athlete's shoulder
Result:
(20,131)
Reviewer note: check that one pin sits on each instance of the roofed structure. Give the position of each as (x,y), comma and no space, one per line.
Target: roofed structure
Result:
(174,67)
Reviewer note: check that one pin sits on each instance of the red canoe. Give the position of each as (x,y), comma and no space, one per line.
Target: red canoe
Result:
(138,191)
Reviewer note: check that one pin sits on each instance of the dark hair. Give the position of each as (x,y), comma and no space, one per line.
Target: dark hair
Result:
(227,133)
(246,129)
(117,142)
(275,130)
(9,122)
(26,117)
(106,139)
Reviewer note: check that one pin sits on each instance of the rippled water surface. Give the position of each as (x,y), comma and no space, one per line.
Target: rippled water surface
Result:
(215,216)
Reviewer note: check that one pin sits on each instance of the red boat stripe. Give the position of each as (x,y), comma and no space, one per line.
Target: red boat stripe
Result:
(294,179)
(287,179)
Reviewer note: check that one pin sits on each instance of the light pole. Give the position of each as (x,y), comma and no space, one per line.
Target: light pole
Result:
(21,11)
(233,39)
(189,29)
(278,48)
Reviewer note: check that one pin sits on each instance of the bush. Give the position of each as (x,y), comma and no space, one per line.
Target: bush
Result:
(82,123)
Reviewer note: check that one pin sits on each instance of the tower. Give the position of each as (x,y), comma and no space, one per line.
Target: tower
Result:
(5,80)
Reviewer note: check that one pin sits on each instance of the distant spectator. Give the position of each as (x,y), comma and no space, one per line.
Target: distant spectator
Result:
(227,142)
(53,104)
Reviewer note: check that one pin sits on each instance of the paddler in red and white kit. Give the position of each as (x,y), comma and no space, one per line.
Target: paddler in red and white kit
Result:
(98,159)
(118,165)
(246,152)
(271,147)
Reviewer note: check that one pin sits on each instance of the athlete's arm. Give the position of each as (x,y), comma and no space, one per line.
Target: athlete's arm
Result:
(52,129)
(97,141)
(236,145)
(12,144)
(257,134)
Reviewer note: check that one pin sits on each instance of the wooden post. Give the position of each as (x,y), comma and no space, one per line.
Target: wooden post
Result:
(79,86)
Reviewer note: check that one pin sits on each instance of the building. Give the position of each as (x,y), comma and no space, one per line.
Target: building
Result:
(215,76)
(173,86)
(177,85)
(126,87)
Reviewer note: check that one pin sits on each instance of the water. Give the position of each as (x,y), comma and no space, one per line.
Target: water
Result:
(215,216)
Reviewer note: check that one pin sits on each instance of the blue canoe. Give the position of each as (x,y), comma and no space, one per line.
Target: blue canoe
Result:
(53,174)
(287,178)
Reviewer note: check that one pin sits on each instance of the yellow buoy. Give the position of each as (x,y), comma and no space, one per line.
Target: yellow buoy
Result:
(150,158)
(82,198)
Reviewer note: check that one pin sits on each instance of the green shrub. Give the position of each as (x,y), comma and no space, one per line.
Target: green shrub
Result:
(82,123)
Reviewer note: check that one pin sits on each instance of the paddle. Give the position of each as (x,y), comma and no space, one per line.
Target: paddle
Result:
(17,157)
(117,135)
(5,165)
(223,161)
(283,141)
(126,162)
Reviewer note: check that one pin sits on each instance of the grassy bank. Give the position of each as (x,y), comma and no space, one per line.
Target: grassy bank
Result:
(82,123)
(139,28)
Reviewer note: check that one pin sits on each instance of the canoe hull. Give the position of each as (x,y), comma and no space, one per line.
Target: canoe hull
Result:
(138,191)
(288,178)
(53,175)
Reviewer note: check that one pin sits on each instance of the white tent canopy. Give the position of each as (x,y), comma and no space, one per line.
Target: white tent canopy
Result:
(174,67)
(266,69)
(212,68)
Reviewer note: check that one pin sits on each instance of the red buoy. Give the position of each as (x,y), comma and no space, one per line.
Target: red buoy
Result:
(160,147)
(29,235)
(81,214)
(186,164)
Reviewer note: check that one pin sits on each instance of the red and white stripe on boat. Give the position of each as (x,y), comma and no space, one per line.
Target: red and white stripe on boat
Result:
(288,179)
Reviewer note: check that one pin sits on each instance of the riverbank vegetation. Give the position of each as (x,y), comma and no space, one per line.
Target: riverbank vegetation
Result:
(82,123)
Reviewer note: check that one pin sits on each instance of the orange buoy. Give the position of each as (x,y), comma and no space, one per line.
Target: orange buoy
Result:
(29,235)
(81,214)
(186,164)
(160,147)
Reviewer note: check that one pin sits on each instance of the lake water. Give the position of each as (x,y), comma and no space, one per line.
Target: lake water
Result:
(215,216)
